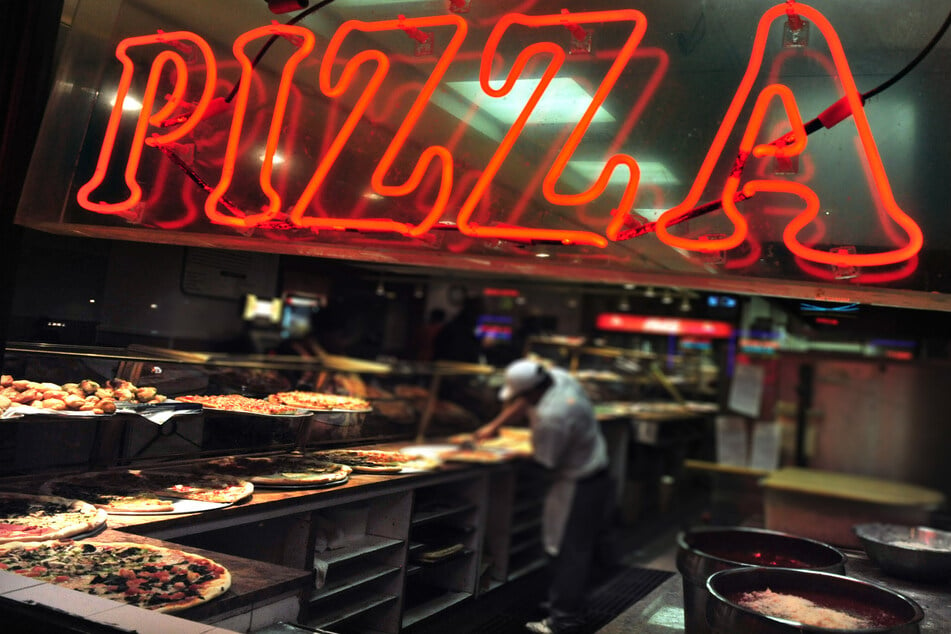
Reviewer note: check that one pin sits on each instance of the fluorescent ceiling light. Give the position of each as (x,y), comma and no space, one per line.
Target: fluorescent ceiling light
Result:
(651,215)
(277,159)
(129,104)
(563,102)
(652,172)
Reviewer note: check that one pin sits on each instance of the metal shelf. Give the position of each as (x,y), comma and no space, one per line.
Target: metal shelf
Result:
(366,545)
(429,608)
(351,581)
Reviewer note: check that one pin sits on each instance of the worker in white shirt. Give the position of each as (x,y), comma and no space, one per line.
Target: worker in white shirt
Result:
(567,441)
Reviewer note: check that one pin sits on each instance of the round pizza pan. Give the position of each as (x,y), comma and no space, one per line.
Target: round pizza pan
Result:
(303,485)
(90,533)
(181,506)
(298,413)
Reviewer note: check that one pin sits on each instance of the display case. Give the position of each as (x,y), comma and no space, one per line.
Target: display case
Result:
(405,400)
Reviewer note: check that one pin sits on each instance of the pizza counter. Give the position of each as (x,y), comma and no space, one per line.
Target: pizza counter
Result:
(379,551)
(259,594)
(267,504)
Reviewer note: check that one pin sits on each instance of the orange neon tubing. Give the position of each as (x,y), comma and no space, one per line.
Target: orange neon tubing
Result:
(793,144)
(617,160)
(332,152)
(887,226)
(429,155)
(139,139)
(557,57)
(633,116)
(907,267)
(827,64)
(915,238)
(274,133)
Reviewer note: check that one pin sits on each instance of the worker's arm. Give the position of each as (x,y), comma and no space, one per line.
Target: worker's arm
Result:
(510,414)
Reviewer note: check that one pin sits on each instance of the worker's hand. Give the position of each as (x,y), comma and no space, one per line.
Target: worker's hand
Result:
(485,432)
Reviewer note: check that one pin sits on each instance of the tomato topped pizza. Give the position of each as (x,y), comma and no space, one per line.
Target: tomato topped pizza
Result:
(281,471)
(28,518)
(321,402)
(242,404)
(217,488)
(142,492)
(144,575)
(376,461)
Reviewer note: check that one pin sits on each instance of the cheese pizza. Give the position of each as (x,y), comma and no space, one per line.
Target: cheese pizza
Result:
(242,405)
(321,402)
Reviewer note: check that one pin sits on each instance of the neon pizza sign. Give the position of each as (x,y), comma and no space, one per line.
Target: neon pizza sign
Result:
(436,163)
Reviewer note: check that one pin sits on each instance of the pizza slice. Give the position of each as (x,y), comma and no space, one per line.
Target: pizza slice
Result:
(27,518)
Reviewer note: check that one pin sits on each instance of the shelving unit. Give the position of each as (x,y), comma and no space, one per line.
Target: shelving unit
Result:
(493,567)
(365,604)
(361,549)
(444,516)
(526,553)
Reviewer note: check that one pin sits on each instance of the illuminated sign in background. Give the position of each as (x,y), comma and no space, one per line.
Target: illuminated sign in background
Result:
(504,132)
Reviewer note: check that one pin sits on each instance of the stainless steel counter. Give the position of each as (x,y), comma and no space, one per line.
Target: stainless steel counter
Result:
(661,612)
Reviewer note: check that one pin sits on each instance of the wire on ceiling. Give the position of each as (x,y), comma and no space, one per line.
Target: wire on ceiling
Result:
(270,41)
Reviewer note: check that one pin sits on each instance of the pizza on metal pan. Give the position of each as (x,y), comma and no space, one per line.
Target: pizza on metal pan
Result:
(320,401)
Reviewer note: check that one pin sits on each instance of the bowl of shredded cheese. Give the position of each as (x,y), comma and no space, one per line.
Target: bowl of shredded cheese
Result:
(787,601)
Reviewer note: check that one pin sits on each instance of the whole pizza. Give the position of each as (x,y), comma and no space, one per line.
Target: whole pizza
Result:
(29,518)
(242,404)
(144,575)
(148,492)
(321,402)
(281,470)
(376,461)
(477,455)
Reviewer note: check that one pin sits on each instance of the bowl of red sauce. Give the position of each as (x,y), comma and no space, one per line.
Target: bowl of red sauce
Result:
(703,551)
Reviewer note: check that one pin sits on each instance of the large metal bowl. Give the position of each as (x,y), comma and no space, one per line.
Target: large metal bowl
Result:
(918,553)
(702,551)
(890,612)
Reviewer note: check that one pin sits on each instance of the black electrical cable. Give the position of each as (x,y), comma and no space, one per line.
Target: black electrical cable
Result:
(257,58)
(817,124)
(927,49)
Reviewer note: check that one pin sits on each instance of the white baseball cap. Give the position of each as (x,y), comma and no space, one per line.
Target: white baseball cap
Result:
(520,377)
